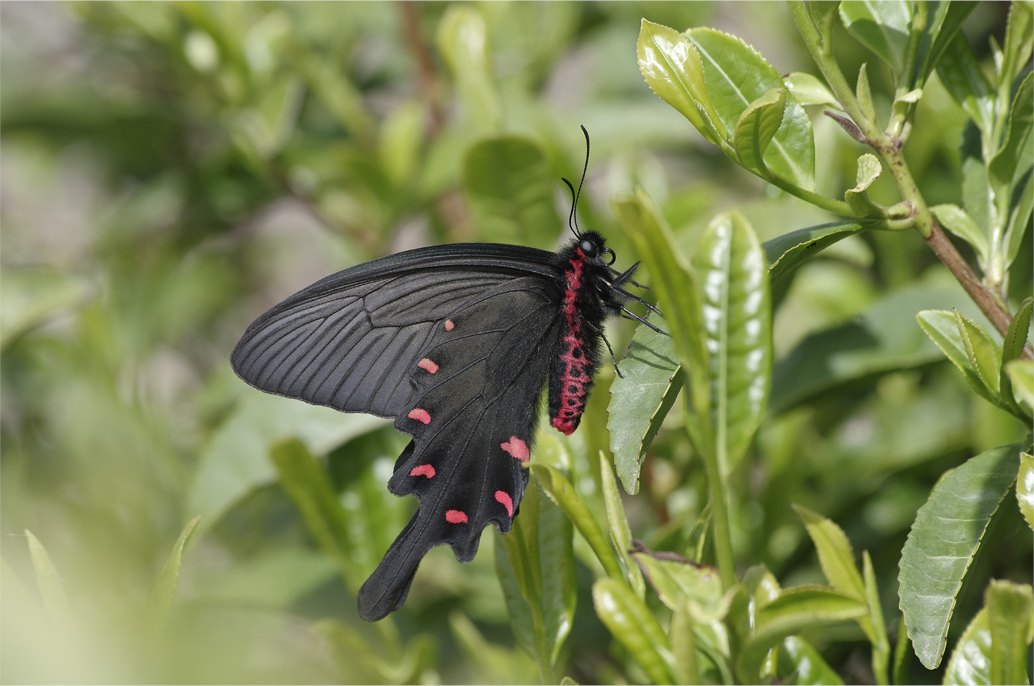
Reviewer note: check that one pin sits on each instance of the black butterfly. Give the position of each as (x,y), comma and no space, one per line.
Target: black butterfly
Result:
(454,342)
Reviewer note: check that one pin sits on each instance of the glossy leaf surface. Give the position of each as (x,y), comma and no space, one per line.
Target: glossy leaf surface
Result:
(755,129)
(1025,488)
(883,27)
(617,522)
(736,76)
(789,251)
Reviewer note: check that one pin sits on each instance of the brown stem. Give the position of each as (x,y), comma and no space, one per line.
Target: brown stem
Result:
(983,296)
(427,77)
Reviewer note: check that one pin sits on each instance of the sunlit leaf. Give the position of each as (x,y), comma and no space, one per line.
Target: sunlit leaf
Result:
(944,539)
(1021,374)
(733,276)
(672,69)
(943,330)
(963,77)
(800,663)
(736,76)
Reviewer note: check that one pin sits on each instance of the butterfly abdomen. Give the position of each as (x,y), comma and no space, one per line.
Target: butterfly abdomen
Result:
(574,362)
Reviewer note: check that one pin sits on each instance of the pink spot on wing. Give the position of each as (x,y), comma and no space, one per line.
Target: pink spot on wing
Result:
(428,365)
(449,326)
(517,448)
(423,470)
(419,415)
(504,498)
(455,517)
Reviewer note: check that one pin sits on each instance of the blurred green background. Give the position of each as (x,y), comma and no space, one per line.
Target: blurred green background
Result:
(169,171)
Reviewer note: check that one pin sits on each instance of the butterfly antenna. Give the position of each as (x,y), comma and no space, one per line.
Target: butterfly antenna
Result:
(574,204)
(578,195)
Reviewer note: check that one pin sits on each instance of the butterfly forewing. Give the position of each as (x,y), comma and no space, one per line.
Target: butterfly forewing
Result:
(472,417)
(350,340)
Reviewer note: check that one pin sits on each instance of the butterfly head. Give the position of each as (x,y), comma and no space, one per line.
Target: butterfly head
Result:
(592,245)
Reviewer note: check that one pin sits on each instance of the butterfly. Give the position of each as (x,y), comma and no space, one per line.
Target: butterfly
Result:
(455,343)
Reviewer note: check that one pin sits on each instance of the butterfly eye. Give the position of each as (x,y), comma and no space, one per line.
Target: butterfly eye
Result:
(608,251)
(588,248)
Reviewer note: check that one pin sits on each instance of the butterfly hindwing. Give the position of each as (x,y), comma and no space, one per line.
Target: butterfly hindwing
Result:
(472,418)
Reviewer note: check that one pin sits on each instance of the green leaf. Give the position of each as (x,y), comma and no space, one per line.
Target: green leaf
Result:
(673,71)
(493,663)
(1021,374)
(835,554)
(736,76)
(561,492)
(869,170)
(795,610)
(883,27)
(677,580)
(730,265)
(641,398)
(1019,212)
(683,645)
(800,663)
(540,558)
(809,90)
(312,493)
(236,462)
(837,560)
(882,338)
(164,590)
(1001,169)
(962,76)
(984,356)
(863,93)
(620,533)
(755,129)
(29,296)
(970,662)
(1010,614)
(463,43)
(1019,40)
(632,624)
(1025,488)
(943,541)
(943,330)
(789,251)
(823,15)
(1012,346)
(677,295)
(51,587)
(880,643)
(506,182)
(944,19)
(400,139)
(956,220)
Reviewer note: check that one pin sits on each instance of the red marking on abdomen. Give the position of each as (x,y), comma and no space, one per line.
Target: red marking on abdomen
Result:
(449,326)
(427,364)
(419,415)
(504,498)
(574,378)
(423,470)
(517,448)
(455,517)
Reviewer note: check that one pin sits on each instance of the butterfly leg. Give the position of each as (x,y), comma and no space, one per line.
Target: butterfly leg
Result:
(604,337)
